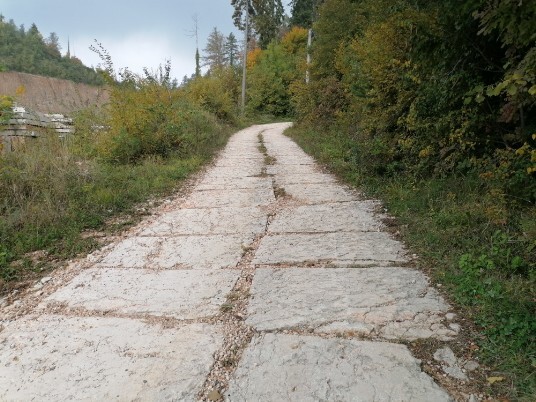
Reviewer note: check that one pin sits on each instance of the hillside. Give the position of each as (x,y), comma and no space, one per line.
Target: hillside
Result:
(28,51)
(50,95)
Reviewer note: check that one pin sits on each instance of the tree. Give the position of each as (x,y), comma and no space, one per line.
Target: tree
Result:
(53,44)
(28,52)
(214,54)
(338,21)
(232,52)
(273,71)
(302,12)
(266,17)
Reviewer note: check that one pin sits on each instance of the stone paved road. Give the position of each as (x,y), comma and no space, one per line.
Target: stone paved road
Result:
(269,282)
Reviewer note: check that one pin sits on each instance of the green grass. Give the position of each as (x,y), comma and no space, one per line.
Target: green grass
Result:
(51,195)
(486,266)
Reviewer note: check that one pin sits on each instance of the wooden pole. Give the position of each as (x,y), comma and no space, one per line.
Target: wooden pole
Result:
(245,59)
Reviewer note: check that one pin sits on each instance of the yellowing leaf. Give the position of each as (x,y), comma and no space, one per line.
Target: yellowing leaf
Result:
(493,91)
(512,89)
(493,380)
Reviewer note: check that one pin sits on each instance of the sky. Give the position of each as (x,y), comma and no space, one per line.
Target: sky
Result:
(136,33)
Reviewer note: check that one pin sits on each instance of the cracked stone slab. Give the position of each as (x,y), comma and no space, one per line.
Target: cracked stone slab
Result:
(207,221)
(339,249)
(179,294)
(235,183)
(71,358)
(394,303)
(291,159)
(230,171)
(312,178)
(278,169)
(237,198)
(197,252)
(319,193)
(355,216)
(132,252)
(239,162)
(302,368)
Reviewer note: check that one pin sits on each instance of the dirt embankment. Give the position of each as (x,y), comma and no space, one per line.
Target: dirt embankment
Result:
(50,95)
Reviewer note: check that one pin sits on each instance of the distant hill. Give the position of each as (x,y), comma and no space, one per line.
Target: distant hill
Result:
(28,52)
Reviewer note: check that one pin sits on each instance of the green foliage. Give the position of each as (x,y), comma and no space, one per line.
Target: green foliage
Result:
(302,12)
(265,18)
(6,105)
(337,22)
(51,195)
(215,54)
(232,52)
(274,71)
(29,52)
(217,93)
(457,225)
(150,136)
(431,106)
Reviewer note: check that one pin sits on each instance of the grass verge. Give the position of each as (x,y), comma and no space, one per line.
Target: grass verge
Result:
(51,196)
(486,265)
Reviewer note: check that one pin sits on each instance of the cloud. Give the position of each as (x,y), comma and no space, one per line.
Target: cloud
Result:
(136,51)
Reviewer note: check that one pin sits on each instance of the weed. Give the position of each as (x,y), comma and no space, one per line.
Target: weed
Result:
(262,147)
(279,192)
(269,160)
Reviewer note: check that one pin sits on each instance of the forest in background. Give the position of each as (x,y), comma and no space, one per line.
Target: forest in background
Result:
(27,51)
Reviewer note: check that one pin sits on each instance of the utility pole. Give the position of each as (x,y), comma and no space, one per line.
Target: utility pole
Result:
(244,60)
(309,42)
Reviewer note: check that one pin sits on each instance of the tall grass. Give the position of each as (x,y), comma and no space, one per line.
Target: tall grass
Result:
(50,195)
(149,138)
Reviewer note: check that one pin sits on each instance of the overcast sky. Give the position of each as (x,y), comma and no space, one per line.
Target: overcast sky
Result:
(136,33)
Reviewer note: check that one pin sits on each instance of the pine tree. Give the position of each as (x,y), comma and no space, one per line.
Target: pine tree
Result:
(53,44)
(214,54)
(232,52)
(302,12)
(28,52)
(266,17)
(197,63)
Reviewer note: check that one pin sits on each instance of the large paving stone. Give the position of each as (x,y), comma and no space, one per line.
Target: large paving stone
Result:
(181,294)
(207,221)
(54,358)
(340,249)
(230,171)
(291,169)
(301,368)
(319,193)
(230,198)
(235,183)
(238,162)
(132,252)
(332,217)
(295,158)
(220,251)
(214,251)
(283,180)
(388,302)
